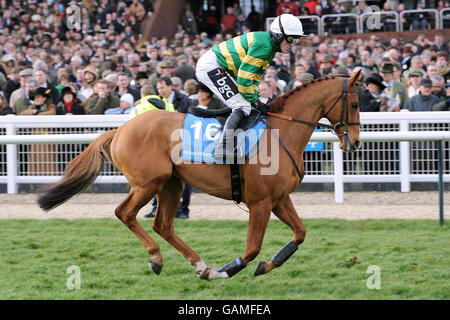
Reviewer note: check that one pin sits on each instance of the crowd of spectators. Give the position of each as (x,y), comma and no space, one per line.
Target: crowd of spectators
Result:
(103,62)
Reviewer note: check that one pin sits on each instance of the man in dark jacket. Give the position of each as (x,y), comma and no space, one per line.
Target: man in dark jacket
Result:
(423,101)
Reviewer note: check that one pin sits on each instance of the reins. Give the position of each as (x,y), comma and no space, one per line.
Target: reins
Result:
(341,123)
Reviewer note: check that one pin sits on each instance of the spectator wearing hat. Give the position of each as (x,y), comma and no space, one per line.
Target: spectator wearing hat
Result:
(126,105)
(101,99)
(24,75)
(134,69)
(163,69)
(325,66)
(425,100)
(87,87)
(414,77)
(69,104)
(444,105)
(206,99)
(43,104)
(23,102)
(41,78)
(372,99)
(396,92)
(183,70)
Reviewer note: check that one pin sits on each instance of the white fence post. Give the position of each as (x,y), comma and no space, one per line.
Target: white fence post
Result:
(338,173)
(11,161)
(405,159)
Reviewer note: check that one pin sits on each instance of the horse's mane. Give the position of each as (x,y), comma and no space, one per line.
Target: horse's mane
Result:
(277,105)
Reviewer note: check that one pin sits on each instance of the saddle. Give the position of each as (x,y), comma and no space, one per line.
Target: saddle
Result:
(222,114)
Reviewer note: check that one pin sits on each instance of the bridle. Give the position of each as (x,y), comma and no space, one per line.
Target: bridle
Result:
(343,122)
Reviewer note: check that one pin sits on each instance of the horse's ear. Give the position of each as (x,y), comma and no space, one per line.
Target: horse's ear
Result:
(356,76)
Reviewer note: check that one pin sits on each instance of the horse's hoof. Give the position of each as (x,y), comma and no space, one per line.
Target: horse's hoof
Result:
(204,275)
(261,268)
(155,267)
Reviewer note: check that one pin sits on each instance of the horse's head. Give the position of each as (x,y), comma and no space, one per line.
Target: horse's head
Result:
(342,110)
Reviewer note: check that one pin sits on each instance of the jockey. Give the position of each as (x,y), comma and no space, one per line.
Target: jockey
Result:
(234,68)
(151,102)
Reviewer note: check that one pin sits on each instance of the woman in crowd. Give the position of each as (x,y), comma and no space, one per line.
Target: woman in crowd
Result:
(69,104)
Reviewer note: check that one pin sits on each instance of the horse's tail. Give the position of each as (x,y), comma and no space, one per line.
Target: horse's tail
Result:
(80,173)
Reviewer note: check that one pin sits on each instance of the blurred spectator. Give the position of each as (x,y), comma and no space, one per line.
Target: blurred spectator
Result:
(439,43)
(228,21)
(123,87)
(265,92)
(69,104)
(12,83)
(177,84)
(4,108)
(310,5)
(432,70)
(190,88)
(419,19)
(26,99)
(41,79)
(287,6)
(180,101)
(87,85)
(438,86)
(206,99)
(374,101)
(395,91)
(101,99)
(444,105)
(125,107)
(414,78)
(443,65)
(423,101)
(183,70)
(43,104)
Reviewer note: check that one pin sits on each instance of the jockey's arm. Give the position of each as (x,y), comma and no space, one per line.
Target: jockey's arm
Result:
(251,72)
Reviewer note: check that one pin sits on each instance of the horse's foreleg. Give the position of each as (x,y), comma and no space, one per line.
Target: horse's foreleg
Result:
(168,202)
(286,212)
(127,211)
(258,220)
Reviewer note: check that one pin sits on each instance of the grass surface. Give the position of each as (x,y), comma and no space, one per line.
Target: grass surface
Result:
(412,255)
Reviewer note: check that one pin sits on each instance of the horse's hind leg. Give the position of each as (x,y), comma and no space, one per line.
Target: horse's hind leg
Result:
(168,202)
(127,211)
(286,212)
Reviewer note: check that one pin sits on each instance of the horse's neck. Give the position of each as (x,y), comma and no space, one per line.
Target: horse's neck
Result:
(304,104)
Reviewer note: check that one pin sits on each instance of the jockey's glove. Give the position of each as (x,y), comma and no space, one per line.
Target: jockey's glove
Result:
(261,106)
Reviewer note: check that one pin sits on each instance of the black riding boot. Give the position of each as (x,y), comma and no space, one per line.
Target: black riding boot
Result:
(225,147)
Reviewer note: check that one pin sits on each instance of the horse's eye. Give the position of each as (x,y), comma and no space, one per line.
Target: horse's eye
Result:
(354,105)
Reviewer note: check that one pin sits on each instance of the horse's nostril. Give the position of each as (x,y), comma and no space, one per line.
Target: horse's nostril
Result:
(358,144)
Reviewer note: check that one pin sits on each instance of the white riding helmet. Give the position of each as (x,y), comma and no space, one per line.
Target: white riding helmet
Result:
(287,25)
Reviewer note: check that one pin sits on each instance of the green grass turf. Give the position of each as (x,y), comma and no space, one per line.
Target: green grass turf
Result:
(413,257)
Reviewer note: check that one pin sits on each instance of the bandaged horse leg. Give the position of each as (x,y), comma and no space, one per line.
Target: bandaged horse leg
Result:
(258,220)
(285,211)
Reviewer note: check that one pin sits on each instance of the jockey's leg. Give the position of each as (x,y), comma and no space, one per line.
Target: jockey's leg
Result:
(211,74)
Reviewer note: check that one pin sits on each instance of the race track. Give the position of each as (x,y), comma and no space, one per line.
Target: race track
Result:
(357,205)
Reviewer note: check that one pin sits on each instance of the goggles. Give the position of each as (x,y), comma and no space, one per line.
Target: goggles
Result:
(291,39)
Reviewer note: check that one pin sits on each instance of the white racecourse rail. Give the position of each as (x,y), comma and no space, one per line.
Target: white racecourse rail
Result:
(398,148)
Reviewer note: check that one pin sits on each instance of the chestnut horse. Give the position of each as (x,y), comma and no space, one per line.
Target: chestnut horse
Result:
(143,150)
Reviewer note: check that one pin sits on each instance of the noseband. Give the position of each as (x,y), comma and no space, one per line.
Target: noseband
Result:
(341,123)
